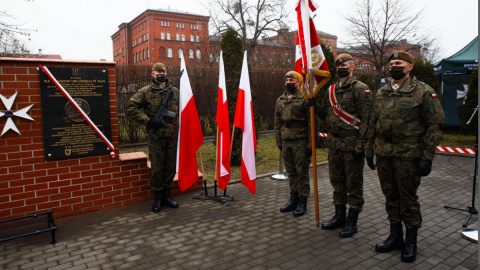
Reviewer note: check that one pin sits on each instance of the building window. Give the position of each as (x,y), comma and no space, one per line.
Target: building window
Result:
(190,54)
(199,54)
(162,36)
(183,37)
(168,36)
(192,38)
(148,53)
(180,52)
(170,53)
(170,69)
(198,38)
(178,37)
(162,52)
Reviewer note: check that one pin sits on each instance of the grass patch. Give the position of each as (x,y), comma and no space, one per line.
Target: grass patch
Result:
(267,157)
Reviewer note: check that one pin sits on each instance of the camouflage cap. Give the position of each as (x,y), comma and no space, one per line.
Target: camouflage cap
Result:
(294,75)
(159,67)
(342,58)
(401,55)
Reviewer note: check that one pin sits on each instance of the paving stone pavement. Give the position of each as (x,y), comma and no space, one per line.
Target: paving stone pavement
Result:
(251,233)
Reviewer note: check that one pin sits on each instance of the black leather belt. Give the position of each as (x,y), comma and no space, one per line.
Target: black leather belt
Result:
(407,139)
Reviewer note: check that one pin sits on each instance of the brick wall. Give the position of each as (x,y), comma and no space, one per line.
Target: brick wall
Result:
(30,184)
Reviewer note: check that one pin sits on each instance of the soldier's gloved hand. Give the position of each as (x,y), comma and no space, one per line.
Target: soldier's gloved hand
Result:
(311,102)
(308,152)
(424,167)
(358,156)
(370,163)
(152,123)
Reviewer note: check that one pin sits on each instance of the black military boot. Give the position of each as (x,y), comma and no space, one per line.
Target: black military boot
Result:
(350,227)
(394,240)
(291,204)
(157,204)
(301,207)
(409,253)
(338,220)
(168,199)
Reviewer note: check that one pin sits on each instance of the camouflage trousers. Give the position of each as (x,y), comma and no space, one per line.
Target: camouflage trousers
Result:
(399,185)
(346,177)
(163,157)
(294,154)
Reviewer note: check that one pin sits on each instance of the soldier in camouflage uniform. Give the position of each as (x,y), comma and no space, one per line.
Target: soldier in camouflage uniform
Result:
(346,145)
(291,125)
(405,129)
(142,107)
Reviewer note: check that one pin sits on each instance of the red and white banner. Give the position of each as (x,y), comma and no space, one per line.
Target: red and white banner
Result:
(223,134)
(309,55)
(190,135)
(244,121)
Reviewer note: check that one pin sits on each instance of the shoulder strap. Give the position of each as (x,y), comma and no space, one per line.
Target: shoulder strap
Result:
(338,112)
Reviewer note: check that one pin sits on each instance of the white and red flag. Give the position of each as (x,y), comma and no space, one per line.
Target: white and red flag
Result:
(244,121)
(223,130)
(309,55)
(190,135)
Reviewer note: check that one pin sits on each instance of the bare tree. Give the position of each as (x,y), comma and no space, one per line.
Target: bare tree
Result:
(11,43)
(377,26)
(252,19)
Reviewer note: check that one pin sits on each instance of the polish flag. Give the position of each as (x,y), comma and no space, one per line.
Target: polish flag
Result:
(223,130)
(309,55)
(244,121)
(190,135)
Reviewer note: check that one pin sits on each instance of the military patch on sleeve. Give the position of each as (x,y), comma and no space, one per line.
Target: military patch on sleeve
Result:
(368,92)
(434,95)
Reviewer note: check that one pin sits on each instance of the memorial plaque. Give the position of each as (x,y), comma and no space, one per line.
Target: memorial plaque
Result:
(65,131)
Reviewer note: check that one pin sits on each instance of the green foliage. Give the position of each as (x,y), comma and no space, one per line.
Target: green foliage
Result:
(232,58)
(423,71)
(469,105)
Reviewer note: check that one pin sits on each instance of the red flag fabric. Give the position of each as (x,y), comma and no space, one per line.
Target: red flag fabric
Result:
(223,126)
(309,54)
(190,135)
(244,121)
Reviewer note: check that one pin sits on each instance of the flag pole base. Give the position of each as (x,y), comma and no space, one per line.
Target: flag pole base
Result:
(224,199)
(280,176)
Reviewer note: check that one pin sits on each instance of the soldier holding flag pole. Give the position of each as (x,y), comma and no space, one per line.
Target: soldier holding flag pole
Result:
(311,62)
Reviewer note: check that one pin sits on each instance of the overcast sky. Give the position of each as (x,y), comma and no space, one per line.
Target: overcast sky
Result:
(82,29)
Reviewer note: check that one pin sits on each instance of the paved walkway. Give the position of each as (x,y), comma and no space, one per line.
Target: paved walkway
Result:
(251,233)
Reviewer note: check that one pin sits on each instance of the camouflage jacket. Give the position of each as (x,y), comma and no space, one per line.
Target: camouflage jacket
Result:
(291,119)
(146,102)
(353,97)
(406,124)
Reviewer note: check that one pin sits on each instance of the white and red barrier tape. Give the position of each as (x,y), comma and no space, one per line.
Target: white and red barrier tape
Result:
(443,149)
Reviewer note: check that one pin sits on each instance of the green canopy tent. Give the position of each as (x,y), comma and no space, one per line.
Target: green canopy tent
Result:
(454,73)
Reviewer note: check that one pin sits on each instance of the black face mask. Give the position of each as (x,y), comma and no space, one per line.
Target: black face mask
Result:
(161,77)
(343,72)
(397,73)
(291,87)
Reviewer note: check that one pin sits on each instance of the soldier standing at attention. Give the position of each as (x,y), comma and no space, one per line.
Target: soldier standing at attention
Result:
(346,110)
(291,126)
(142,107)
(405,129)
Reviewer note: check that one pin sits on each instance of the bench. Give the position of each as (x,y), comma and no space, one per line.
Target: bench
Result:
(28,225)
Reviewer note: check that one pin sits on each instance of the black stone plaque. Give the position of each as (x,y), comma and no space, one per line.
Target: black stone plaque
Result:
(66,134)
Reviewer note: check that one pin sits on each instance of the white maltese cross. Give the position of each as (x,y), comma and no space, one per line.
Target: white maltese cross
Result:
(8,102)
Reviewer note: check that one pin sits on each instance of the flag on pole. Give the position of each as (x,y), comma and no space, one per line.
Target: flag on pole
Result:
(309,55)
(223,126)
(244,121)
(190,135)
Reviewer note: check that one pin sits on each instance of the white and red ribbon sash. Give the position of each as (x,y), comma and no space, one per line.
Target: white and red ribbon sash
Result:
(338,112)
(79,110)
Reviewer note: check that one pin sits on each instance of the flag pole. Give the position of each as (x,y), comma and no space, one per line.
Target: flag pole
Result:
(314,150)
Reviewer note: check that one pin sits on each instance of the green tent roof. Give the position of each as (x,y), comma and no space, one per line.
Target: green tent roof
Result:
(461,61)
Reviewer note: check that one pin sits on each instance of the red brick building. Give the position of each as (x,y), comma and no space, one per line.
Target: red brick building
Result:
(161,36)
